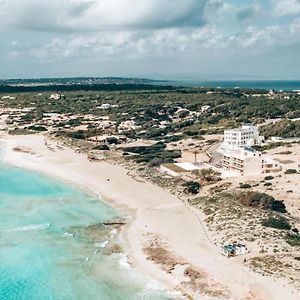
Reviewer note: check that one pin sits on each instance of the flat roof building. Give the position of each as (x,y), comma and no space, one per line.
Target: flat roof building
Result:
(246,136)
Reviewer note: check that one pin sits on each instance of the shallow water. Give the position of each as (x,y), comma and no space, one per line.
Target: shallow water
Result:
(43,251)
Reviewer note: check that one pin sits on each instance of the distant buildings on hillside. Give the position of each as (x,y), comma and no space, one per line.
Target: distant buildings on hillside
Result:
(8,98)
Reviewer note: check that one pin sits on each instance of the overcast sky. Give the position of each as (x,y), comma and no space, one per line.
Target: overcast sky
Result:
(191,39)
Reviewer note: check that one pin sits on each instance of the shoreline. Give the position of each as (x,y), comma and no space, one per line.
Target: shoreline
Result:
(154,215)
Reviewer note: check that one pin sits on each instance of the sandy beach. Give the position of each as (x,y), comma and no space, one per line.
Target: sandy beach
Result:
(158,224)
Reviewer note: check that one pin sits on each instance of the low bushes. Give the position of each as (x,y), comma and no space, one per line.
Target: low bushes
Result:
(208,175)
(154,155)
(290,171)
(277,223)
(245,186)
(37,128)
(261,200)
(192,187)
(293,240)
(102,147)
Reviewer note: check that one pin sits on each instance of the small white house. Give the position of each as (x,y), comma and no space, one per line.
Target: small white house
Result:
(55,96)
(8,98)
(104,106)
(234,249)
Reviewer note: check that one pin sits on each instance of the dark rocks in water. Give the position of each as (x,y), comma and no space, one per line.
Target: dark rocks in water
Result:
(95,232)
(112,249)
(114,223)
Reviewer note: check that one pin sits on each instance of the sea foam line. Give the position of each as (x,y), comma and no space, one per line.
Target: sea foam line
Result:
(32,227)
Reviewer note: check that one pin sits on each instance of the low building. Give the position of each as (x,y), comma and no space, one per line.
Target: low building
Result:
(245,160)
(205,108)
(128,125)
(249,162)
(172,170)
(246,136)
(271,166)
(178,169)
(55,96)
(234,249)
(104,106)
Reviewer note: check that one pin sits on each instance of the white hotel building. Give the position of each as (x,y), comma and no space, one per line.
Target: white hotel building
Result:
(246,136)
(239,156)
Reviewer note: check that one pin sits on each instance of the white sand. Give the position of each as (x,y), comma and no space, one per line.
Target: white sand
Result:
(153,211)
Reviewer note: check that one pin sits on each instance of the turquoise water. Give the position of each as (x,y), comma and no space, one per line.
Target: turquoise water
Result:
(285,85)
(50,251)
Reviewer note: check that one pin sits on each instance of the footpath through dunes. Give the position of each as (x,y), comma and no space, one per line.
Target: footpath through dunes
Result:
(164,238)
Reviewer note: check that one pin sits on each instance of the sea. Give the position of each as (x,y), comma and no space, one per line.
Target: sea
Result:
(276,85)
(54,246)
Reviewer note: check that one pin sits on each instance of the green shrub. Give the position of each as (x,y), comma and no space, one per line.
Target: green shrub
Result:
(245,186)
(101,147)
(192,187)
(153,155)
(290,171)
(293,240)
(112,140)
(278,205)
(191,133)
(297,258)
(37,128)
(261,200)
(277,222)
(209,175)
(79,135)
(269,177)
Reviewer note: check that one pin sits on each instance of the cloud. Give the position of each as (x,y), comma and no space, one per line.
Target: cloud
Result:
(97,15)
(246,13)
(286,7)
(164,43)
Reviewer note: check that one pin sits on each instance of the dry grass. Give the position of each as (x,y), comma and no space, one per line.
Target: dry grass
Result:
(196,279)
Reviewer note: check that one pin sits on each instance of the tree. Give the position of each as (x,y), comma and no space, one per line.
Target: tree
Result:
(192,187)
(209,175)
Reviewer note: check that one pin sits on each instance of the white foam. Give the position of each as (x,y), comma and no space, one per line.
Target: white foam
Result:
(123,262)
(154,285)
(68,234)
(32,227)
(114,232)
(102,245)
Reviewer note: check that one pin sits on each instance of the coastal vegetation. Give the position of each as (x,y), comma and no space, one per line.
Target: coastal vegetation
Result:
(284,128)
(154,155)
(277,223)
(261,200)
(192,187)
(160,112)
(290,171)
(208,175)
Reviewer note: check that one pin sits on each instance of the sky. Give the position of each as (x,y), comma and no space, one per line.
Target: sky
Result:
(163,39)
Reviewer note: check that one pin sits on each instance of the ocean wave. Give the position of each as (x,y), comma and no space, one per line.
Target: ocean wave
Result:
(102,245)
(32,227)
(123,262)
